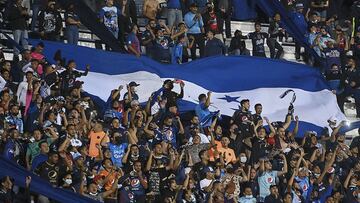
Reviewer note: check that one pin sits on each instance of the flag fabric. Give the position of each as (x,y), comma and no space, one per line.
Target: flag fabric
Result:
(37,184)
(230,78)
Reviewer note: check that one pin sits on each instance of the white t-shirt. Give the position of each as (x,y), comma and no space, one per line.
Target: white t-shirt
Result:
(205,183)
(204,139)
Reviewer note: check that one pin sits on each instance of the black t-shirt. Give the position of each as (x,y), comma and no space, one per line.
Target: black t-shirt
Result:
(258,41)
(351,194)
(171,97)
(6,196)
(243,120)
(237,144)
(256,118)
(49,172)
(272,199)
(128,166)
(259,149)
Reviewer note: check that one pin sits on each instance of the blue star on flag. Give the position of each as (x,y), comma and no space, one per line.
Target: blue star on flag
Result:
(230,99)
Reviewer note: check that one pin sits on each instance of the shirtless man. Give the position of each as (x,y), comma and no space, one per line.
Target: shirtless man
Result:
(150,9)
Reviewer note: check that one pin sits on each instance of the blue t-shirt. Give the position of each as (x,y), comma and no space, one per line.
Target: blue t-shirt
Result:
(194,25)
(135,185)
(304,185)
(265,181)
(175,4)
(133,41)
(126,195)
(117,153)
(169,135)
(177,54)
(162,48)
(32,114)
(202,112)
(299,20)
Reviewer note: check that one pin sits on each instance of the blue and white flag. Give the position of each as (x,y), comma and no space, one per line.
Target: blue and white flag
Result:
(231,79)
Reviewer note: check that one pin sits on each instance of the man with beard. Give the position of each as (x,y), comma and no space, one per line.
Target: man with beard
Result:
(148,36)
(12,121)
(257,116)
(50,22)
(49,171)
(242,118)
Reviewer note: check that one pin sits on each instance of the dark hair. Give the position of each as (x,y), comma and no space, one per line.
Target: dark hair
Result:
(242,102)
(71,61)
(132,26)
(258,104)
(3,71)
(167,117)
(42,141)
(271,186)
(211,31)
(40,44)
(202,152)
(103,162)
(181,37)
(201,96)
(257,23)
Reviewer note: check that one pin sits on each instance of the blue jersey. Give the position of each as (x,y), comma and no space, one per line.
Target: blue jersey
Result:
(126,195)
(169,135)
(135,185)
(117,153)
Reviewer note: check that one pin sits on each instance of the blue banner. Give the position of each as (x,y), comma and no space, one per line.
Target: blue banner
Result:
(38,185)
(244,9)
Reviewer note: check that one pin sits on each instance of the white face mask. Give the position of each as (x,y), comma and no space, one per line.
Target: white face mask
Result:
(68,181)
(243,159)
(93,194)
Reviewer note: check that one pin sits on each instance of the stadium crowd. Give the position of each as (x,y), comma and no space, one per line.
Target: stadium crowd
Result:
(133,153)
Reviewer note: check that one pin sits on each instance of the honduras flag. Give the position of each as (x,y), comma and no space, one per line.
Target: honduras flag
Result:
(231,79)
